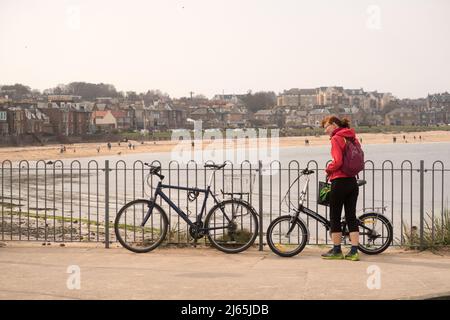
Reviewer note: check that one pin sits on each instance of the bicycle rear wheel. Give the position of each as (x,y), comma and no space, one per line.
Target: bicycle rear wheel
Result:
(129,232)
(233,226)
(283,244)
(375,233)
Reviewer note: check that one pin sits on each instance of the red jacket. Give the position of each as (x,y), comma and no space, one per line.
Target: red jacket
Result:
(337,151)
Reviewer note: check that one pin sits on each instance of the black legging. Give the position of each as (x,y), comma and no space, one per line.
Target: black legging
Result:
(344,192)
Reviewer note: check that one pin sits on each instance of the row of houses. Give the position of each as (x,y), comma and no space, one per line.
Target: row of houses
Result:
(65,115)
(30,119)
(220,116)
(400,116)
(409,117)
(308,99)
(292,117)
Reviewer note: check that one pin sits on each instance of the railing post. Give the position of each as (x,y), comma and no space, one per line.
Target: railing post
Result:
(106,204)
(422,171)
(260,196)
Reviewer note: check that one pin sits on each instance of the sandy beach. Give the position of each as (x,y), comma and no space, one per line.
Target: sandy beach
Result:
(81,150)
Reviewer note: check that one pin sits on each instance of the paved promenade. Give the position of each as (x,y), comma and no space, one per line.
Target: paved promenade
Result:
(33,271)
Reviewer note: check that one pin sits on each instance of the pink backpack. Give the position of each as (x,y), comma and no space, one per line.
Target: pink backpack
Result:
(353,158)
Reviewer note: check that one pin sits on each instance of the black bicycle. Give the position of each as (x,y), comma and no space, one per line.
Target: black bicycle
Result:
(231,225)
(288,235)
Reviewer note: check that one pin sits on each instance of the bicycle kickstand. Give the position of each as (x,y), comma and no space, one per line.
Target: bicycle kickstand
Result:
(195,240)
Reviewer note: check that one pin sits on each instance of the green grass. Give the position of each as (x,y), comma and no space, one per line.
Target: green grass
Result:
(50,216)
(367,129)
(77,220)
(434,236)
(400,129)
(294,132)
(135,228)
(138,136)
(8,205)
(240,236)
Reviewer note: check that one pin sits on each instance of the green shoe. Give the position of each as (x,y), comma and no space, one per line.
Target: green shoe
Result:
(352,257)
(332,255)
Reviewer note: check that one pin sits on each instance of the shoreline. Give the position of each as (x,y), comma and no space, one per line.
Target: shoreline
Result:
(84,150)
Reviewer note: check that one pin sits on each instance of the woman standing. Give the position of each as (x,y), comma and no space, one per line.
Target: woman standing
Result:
(344,188)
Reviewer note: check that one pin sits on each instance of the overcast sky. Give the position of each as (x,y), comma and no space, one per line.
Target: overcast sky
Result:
(210,46)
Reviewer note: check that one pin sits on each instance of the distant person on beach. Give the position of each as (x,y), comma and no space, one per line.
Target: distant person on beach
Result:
(129,145)
(394,139)
(109,146)
(98,149)
(420,138)
(306,142)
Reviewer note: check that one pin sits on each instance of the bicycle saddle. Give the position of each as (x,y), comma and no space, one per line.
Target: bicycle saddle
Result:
(215,166)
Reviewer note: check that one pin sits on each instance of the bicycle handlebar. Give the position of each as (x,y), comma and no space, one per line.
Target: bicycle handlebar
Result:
(154,170)
(307,171)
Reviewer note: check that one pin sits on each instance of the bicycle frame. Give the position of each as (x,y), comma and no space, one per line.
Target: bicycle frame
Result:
(301,208)
(180,212)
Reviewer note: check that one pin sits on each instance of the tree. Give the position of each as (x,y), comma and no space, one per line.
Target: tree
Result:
(200,97)
(259,100)
(16,91)
(389,107)
(154,95)
(132,96)
(89,91)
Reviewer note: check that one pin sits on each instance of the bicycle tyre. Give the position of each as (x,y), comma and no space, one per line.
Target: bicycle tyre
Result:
(387,226)
(212,237)
(277,249)
(118,227)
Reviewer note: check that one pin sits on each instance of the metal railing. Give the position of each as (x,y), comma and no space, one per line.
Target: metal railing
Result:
(70,201)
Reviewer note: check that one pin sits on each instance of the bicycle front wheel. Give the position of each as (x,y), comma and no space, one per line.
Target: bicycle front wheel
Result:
(132,235)
(287,237)
(232,226)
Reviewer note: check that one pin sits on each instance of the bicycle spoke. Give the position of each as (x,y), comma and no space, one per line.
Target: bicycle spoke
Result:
(234,226)
(286,237)
(376,233)
(130,232)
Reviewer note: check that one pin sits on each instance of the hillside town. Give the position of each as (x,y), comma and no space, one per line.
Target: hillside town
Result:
(29,116)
